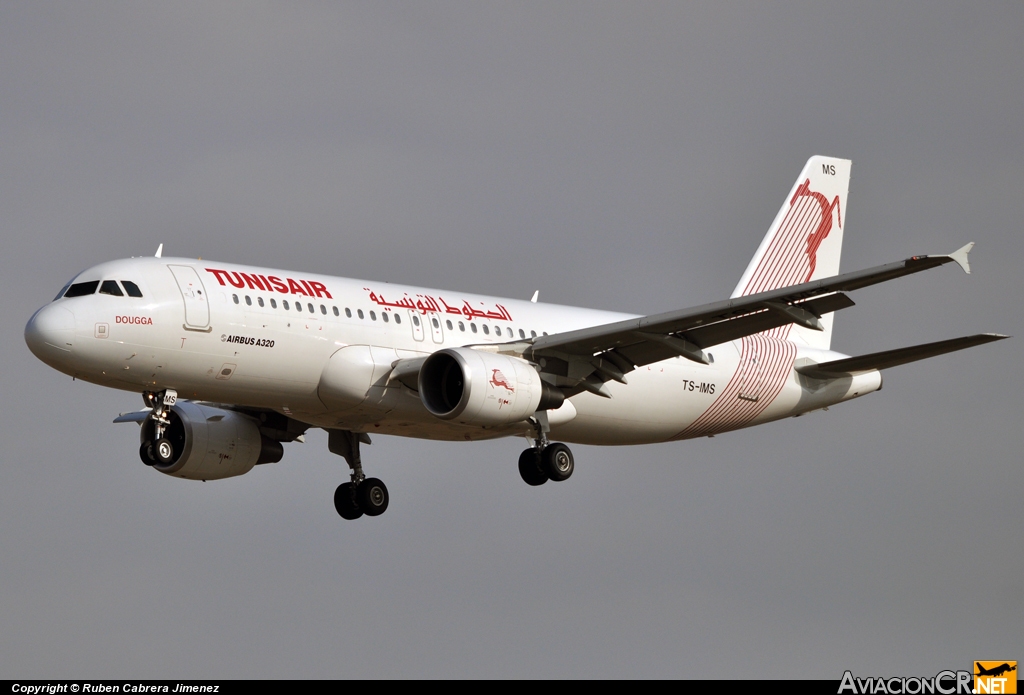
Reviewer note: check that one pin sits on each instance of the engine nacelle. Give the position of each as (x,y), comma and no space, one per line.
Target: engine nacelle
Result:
(210,443)
(482,388)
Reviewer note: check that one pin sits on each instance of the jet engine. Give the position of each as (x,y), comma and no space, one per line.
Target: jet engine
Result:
(210,443)
(483,388)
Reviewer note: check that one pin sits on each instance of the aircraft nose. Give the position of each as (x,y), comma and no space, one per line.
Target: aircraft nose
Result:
(50,333)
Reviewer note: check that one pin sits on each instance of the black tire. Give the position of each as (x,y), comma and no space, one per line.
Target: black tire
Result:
(146,453)
(529,468)
(343,502)
(163,451)
(373,497)
(557,462)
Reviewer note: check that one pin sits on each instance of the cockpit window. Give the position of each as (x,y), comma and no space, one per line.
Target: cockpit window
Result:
(131,288)
(110,287)
(62,291)
(81,289)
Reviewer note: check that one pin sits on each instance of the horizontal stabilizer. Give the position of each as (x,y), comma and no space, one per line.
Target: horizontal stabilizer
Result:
(893,358)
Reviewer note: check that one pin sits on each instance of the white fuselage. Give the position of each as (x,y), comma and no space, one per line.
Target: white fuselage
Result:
(262,338)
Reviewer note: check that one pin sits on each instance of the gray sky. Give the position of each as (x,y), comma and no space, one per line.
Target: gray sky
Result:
(620,156)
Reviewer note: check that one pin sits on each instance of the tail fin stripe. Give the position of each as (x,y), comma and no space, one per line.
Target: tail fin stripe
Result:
(790,257)
(808,221)
(793,260)
(772,256)
(786,244)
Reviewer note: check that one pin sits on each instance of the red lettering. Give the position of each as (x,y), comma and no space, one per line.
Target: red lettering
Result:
(309,290)
(296,288)
(218,274)
(321,291)
(252,282)
(236,281)
(277,284)
(266,282)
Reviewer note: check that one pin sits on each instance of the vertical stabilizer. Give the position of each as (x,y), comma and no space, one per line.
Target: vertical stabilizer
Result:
(804,242)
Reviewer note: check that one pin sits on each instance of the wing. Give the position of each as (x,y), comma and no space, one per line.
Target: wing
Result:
(272,424)
(588,357)
(893,358)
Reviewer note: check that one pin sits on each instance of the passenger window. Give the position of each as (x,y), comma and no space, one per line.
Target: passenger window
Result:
(415,320)
(273,303)
(348,312)
(131,288)
(522,334)
(384,316)
(234,298)
(259,300)
(462,327)
(110,287)
(472,327)
(509,332)
(545,332)
(298,306)
(449,324)
(398,318)
(81,289)
(359,312)
(487,331)
(436,324)
(311,309)
(323,310)
(336,311)
(284,303)
(248,300)
(533,334)
(373,316)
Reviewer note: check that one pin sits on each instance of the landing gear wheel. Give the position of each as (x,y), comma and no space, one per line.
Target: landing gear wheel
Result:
(529,468)
(345,504)
(146,453)
(373,497)
(163,451)
(556,461)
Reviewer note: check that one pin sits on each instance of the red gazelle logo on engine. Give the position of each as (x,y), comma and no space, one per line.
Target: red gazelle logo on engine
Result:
(498,379)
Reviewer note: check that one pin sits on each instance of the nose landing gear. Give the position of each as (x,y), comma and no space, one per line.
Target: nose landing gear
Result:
(361,495)
(159,450)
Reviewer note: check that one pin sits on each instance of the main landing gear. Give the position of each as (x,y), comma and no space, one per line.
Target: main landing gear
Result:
(545,461)
(361,495)
(158,449)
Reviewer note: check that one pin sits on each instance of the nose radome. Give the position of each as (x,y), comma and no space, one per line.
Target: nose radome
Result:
(50,332)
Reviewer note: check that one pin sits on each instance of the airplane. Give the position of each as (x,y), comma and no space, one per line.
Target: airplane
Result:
(995,670)
(234,361)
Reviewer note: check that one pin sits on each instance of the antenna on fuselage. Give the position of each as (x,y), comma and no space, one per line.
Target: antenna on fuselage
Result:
(159,251)
(536,293)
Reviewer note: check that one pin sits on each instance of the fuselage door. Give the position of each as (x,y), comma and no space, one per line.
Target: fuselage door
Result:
(197,307)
